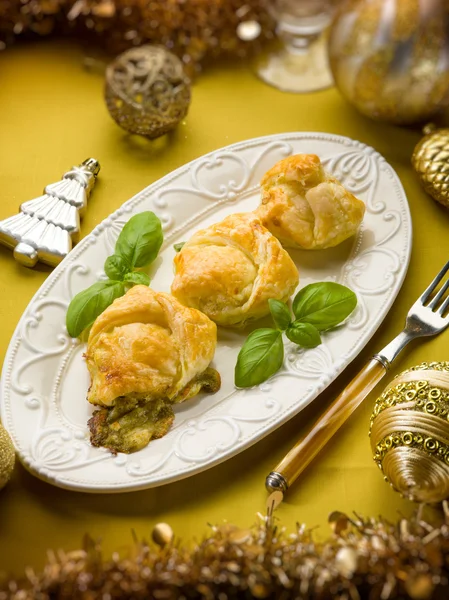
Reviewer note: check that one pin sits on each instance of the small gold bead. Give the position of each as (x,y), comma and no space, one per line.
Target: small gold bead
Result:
(430,407)
(162,534)
(431,445)
(407,438)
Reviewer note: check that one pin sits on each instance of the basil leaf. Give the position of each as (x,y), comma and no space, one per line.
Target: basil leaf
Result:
(178,247)
(86,306)
(140,239)
(324,304)
(137,278)
(280,313)
(116,267)
(304,334)
(260,357)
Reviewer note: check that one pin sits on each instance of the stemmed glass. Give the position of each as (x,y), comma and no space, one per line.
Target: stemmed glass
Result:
(301,64)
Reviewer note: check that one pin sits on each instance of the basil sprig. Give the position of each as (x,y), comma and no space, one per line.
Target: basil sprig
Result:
(317,307)
(137,246)
(116,267)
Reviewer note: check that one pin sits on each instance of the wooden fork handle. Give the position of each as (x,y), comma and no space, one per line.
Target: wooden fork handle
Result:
(328,424)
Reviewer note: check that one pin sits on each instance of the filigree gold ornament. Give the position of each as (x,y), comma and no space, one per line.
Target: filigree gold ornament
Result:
(410,432)
(387,57)
(147,90)
(47,226)
(430,161)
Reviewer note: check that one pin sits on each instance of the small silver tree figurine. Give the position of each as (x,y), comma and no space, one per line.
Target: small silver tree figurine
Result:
(47,226)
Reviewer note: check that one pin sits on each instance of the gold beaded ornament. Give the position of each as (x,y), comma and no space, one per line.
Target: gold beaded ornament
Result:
(431,162)
(147,91)
(410,432)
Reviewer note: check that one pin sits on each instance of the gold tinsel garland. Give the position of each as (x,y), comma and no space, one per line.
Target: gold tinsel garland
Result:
(364,559)
(195,30)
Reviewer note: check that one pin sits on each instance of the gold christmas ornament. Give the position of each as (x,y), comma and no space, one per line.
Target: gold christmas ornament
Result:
(410,432)
(430,161)
(387,57)
(7,457)
(147,91)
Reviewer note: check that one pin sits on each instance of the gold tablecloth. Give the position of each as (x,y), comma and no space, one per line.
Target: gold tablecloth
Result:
(52,115)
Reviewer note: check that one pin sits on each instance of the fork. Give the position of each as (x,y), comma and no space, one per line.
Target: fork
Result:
(425,318)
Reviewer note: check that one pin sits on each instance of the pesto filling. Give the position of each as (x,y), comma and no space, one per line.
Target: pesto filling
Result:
(133,422)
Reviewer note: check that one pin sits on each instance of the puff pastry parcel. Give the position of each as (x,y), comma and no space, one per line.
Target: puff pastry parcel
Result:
(230,270)
(304,207)
(145,352)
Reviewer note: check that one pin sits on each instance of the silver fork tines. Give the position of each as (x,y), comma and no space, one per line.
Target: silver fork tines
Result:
(444,306)
(422,320)
(438,297)
(423,298)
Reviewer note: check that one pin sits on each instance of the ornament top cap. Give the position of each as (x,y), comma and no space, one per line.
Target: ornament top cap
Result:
(429,128)
(92,165)
(86,173)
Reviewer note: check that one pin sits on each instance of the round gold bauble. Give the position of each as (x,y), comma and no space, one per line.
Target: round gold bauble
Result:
(431,162)
(388,57)
(7,457)
(410,432)
(147,91)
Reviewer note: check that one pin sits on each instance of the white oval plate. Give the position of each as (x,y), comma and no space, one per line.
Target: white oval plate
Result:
(45,380)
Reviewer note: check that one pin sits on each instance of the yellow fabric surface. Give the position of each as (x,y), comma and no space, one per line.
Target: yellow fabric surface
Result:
(53,115)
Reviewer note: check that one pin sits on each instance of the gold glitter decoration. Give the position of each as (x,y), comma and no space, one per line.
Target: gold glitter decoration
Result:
(430,161)
(147,90)
(195,30)
(387,56)
(363,558)
(409,432)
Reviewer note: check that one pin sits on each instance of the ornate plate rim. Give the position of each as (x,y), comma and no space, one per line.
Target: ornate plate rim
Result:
(121,487)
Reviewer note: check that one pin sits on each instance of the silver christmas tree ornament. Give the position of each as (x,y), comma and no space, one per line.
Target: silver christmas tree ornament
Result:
(47,226)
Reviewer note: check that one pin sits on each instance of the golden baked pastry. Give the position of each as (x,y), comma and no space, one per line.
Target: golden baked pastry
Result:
(144,352)
(304,207)
(230,270)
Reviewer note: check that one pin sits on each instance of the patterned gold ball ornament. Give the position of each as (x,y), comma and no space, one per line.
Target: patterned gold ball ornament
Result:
(7,457)
(147,91)
(387,57)
(431,162)
(410,432)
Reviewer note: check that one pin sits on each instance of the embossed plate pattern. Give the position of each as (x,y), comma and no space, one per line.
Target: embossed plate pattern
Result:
(45,380)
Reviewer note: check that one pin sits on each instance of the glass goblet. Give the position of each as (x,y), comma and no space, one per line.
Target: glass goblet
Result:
(301,64)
